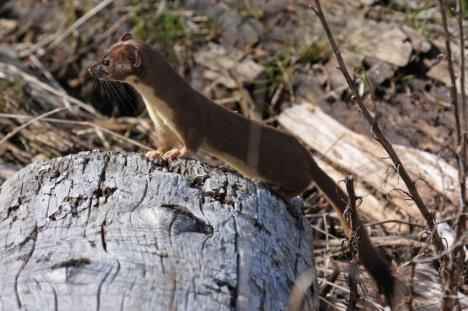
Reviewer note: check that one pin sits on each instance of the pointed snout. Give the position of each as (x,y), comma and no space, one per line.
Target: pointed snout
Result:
(93,70)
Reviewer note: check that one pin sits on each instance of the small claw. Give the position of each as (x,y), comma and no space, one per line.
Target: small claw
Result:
(175,153)
(183,151)
(153,154)
(171,154)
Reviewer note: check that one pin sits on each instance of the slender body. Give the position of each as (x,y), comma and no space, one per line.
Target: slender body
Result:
(187,121)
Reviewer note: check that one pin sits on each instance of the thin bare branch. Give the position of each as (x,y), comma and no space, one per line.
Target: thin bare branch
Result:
(80,123)
(350,217)
(26,124)
(410,224)
(345,290)
(380,137)
(450,299)
(9,71)
(460,17)
(56,39)
(449,59)
(51,79)
(409,302)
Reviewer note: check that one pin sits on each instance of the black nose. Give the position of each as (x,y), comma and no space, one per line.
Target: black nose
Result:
(91,70)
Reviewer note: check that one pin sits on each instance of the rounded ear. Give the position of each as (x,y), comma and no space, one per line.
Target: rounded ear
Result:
(126,36)
(137,58)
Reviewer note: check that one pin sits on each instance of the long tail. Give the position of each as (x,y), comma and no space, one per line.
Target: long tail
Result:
(370,256)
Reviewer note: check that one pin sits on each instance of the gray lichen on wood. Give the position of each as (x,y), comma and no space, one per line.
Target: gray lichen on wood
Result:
(104,230)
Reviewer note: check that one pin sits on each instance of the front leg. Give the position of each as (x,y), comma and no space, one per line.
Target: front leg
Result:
(167,139)
(191,144)
(175,153)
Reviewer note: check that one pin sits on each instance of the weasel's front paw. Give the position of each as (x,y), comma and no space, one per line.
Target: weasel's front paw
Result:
(153,154)
(175,153)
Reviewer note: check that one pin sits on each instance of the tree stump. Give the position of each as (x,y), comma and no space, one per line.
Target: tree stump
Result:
(106,230)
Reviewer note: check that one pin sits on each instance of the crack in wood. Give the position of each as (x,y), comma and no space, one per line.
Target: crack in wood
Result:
(103,236)
(198,225)
(221,250)
(73,263)
(98,293)
(143,196)
(32,236)
(235,291)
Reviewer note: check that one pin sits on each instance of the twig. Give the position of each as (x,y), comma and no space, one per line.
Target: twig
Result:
(460,17)
(449,58)
(331,278)
(350,217)
(32,120)
(409,301)
(461,242)
(459,254)
(81,123)
(247,103)
(411,224)
(460,142)
(380,241)
(9,71)
(325,232)
(51,78)
(327,239)
(287,80)
(56,39)
(345,290)
(454,270)
(380,137)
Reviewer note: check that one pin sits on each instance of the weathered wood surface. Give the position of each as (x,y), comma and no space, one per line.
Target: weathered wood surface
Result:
(108,231)
(367,160)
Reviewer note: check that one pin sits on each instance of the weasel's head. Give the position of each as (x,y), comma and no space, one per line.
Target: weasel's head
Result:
(120,61)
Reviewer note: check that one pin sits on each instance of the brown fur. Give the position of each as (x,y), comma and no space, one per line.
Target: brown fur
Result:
(256,150)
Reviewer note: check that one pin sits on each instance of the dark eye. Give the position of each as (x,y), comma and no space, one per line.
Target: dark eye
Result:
(106,62)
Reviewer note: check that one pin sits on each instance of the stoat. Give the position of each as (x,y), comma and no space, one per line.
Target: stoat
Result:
(187,121)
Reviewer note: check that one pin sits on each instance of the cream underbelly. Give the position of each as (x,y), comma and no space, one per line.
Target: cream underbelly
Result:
(158,110)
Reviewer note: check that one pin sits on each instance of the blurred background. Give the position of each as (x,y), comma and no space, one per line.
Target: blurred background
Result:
(256,57)
(266,59)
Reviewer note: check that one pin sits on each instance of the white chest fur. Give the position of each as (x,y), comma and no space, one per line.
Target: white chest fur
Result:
(159,111)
